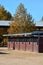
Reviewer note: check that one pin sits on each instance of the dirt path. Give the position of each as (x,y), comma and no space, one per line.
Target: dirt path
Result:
(15,57)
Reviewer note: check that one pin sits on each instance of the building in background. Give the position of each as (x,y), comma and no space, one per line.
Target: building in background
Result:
(32,41)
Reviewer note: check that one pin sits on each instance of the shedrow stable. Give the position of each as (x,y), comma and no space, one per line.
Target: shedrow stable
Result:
(32,41)
(26,41)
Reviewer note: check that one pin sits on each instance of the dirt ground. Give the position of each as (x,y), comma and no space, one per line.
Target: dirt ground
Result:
(17,57)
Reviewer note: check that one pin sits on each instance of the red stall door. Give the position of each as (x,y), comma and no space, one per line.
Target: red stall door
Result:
(11,45)
(35,49)
(22,45)
(26,46)
(17,45)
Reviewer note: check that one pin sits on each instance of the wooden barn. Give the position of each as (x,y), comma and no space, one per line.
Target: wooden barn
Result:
(26,41)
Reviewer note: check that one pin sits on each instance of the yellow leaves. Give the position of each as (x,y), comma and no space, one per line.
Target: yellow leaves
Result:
(4,15)
(22,21)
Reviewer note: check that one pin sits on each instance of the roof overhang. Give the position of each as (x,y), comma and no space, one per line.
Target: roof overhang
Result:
(19,34)
(34,33)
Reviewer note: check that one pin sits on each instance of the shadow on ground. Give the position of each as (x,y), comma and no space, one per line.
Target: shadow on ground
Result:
(3,53)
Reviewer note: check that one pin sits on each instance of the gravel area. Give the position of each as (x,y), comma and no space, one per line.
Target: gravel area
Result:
(17,57)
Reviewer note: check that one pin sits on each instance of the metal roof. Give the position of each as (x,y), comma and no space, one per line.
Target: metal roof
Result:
(25,34)
(37,33)
(4,23)
(34,33)
(19,34)
(38,23)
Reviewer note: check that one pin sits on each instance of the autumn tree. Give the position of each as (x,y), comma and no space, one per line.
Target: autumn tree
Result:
(4,14)
(23,21)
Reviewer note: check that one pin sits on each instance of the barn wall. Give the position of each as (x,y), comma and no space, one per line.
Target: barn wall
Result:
(27,44)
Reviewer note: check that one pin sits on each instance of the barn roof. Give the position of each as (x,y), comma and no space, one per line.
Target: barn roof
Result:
(19,34)
(34,33)
(37,32)
(38,23)
(6,23)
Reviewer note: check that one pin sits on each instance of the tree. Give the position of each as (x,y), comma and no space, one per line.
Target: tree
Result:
(2,31)
(42,19)
(23,21)
(4,14)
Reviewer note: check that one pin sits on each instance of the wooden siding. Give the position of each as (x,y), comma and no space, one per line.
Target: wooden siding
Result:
(26,44)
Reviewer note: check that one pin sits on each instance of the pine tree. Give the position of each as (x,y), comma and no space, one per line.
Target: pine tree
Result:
(22,21)
(4,14)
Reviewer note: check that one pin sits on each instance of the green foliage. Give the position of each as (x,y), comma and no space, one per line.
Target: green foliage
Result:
(4,14)
(23,21)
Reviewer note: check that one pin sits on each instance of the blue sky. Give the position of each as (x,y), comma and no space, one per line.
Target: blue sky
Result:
(34,7)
